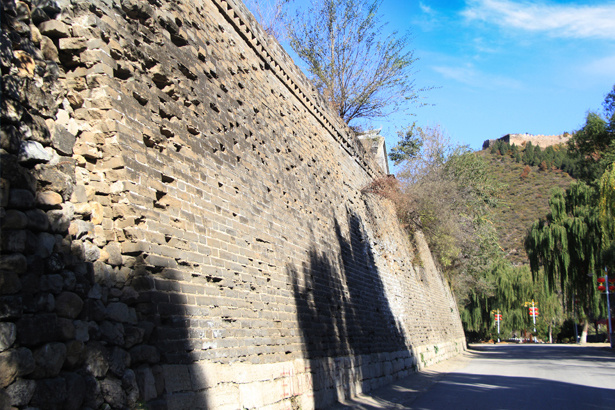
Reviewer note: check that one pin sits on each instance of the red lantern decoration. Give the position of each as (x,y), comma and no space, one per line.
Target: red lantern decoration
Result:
(601,280)
(611,280)
(601,288)
(612,288)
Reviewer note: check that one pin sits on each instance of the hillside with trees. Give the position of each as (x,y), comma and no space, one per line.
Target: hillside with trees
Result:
(512,225)
(527,192)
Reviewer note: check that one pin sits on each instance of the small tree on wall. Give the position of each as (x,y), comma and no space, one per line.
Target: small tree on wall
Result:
(362,72)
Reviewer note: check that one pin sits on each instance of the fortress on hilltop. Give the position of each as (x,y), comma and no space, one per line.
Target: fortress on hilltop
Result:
(542,141)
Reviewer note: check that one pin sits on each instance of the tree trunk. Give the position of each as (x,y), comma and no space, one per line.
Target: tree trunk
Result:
(584,332)
(550,333)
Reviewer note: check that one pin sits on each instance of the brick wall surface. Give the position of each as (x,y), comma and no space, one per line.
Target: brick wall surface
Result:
(183,221)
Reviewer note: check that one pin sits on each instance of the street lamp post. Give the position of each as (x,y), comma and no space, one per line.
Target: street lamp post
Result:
(605,286)
(574,312)
(498,319)
(533,314)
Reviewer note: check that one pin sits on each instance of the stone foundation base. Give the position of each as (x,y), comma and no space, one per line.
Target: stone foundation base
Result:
(298,384)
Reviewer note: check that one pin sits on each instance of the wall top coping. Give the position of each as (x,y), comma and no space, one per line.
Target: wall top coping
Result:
(283,66)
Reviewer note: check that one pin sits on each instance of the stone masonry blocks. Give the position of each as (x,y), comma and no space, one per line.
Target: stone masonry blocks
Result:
(184,223)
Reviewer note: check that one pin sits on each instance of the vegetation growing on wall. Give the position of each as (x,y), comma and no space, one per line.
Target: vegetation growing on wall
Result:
(361,71)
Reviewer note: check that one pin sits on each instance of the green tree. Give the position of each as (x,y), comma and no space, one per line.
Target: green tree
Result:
(594,144)
(567,245)
(408,146)
(607,206)
(362,72)
(447,192)
(528,154)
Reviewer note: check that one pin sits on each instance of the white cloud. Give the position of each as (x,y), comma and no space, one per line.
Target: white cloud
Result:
(469,75)
(425,8)
(602,67)
(570,21)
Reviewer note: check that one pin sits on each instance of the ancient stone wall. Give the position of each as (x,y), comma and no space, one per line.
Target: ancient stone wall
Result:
(542,141)
(184,223)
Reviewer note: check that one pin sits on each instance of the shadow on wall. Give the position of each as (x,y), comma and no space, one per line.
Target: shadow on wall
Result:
(83,324)
(343,313)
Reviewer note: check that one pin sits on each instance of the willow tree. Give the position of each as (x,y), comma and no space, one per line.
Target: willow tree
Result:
(510,287)
(607,205)
(567,245)
(360,70)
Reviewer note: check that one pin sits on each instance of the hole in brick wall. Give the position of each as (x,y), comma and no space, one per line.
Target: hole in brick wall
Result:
(167,179)
(238,158)
(164,114)
(158,202)
(177,146)
(222,148)
(213,279)
(223,88)
(220,184)
(167,238)
(185,71)
(166,131)
(179,40)
(202,57)
(122,73)
(214,107)
(192,129)
(148,141)
(140,99)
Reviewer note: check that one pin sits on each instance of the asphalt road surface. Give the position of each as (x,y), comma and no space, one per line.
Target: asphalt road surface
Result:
(506,376)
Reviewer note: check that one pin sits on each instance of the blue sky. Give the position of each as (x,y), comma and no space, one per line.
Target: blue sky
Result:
(508,66)
(504,66)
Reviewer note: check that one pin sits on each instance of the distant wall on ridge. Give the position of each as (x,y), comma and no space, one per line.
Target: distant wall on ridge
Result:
(542,141)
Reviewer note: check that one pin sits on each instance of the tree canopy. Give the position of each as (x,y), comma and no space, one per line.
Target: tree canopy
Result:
(360,70)
(447,192)
(594,143)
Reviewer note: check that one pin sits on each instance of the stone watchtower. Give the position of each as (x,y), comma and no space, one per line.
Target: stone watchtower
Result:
(375,145)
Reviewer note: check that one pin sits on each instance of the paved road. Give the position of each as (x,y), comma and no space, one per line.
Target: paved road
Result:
(507,377)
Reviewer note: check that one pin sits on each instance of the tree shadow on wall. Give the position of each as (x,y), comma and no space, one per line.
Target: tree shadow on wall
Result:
(343,312)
